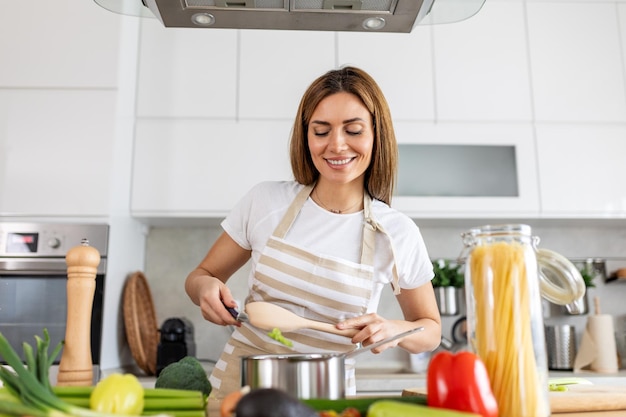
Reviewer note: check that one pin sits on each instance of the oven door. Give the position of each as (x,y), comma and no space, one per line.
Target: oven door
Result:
(34,299)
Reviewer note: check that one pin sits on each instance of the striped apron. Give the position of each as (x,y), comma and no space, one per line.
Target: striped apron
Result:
(314,286)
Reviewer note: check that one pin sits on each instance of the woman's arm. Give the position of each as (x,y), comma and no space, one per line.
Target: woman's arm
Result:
(419,307)
(206,285)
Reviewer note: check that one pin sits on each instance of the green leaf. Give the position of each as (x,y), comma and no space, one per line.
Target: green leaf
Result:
(447,274)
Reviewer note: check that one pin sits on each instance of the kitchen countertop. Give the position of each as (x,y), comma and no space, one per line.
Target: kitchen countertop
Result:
(213,411)
(620,413)
(391,382)
(371,382)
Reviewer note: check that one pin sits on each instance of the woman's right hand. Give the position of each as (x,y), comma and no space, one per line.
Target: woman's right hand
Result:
(206,285)
(213,296)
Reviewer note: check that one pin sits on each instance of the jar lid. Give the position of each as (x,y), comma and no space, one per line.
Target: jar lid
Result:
(498,229)
(560,281)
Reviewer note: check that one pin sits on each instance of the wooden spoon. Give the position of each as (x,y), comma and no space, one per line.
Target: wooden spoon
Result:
(268,316)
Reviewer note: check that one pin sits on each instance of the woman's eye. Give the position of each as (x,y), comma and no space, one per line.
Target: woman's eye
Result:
(353,132)
(321,134)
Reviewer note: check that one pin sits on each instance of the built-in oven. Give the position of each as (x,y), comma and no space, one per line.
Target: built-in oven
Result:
(33,281)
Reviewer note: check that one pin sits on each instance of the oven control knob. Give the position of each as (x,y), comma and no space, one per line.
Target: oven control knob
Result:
(54,243)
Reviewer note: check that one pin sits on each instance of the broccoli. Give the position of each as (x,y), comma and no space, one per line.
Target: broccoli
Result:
(187,374)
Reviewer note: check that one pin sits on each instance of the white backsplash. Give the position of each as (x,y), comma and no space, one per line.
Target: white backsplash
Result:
(172,252)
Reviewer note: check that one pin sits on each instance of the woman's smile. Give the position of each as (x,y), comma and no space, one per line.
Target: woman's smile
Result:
(339,162)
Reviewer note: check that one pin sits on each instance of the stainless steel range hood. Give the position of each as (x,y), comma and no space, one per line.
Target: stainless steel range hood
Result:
(325,15)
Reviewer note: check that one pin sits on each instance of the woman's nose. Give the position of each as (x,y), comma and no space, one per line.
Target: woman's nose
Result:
(337,140)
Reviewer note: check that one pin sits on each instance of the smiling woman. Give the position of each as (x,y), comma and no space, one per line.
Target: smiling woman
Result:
(324,246)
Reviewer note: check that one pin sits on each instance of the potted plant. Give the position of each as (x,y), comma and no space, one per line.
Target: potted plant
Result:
(447,283)
(587,277)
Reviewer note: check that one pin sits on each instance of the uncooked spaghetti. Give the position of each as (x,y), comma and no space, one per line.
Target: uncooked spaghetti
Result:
(503,332)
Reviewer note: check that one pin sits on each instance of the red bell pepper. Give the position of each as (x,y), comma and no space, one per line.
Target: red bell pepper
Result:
(460,382)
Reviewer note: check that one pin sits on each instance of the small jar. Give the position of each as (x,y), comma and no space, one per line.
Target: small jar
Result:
(504,285)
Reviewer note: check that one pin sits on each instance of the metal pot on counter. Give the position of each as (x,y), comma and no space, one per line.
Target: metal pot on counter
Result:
(305,376)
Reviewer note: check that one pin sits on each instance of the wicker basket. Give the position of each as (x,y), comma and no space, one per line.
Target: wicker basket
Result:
(142,330)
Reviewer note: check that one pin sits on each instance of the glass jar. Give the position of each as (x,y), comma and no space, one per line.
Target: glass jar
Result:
(505,279)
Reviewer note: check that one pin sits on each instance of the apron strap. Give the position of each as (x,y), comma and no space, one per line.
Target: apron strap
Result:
(369,241)
(292,212)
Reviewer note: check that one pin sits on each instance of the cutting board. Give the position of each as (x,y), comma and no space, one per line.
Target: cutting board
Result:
(578,398)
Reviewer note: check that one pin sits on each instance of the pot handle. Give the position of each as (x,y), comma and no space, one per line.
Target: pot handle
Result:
(382,342)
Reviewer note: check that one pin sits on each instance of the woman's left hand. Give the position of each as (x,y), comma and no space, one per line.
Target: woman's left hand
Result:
(419,308)
(374,328)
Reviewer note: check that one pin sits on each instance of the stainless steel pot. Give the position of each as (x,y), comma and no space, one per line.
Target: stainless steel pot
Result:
(309,375)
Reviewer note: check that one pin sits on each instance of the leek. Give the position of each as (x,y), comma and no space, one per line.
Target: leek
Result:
(26,383)
(27,390)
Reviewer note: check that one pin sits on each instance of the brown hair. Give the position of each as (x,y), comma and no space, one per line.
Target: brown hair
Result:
(380,176)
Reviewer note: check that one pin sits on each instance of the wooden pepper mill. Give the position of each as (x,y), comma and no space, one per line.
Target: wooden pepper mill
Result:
(76,366)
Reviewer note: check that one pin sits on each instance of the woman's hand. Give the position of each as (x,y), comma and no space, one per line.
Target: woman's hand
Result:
(212,295)
(206,285)
(374,328)
(419,309)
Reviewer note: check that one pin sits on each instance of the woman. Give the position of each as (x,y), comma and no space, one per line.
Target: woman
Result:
(324,245)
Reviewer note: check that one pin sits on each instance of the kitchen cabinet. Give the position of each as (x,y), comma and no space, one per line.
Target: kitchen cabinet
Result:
(581,170)
(58,83)
(52,44)
(186,73)
(276,68)
(227,74)
(522,200)
(405,78)
(56,152)
(576,61)
(190,169)
(481,66)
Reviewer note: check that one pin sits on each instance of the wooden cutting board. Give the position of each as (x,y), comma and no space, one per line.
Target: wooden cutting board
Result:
(578,398)
(588,398)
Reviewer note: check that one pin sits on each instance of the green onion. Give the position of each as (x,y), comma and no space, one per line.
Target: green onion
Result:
(19,409)
(25,383)
(27,390)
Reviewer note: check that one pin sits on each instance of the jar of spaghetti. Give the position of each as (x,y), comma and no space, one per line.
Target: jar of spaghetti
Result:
(505,277)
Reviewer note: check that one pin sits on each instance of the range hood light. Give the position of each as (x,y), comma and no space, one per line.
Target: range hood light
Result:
(203,19)
(374,23)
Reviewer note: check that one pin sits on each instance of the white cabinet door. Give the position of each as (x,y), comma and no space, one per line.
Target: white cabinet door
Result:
(481,66)
(201,168)
(582,170)
(523,202)
(61,43)
(400,63)
(186,72)
(56,152)
(276,68)
(576,61)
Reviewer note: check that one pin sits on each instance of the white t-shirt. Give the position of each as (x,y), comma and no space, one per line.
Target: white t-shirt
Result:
(254,218)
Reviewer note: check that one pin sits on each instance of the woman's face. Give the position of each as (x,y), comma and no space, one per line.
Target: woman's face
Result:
(341,138)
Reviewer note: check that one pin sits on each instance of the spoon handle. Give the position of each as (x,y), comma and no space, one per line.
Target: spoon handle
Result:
(237,315)
(329,328)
